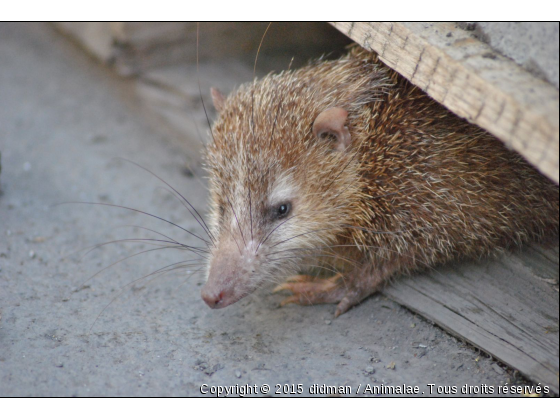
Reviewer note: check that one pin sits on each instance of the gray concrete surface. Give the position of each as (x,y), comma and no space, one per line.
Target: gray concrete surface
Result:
(62,120)
(533,45)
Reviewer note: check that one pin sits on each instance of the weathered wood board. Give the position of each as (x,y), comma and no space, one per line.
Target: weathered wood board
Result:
(135,47)
(507,307)
(472,80)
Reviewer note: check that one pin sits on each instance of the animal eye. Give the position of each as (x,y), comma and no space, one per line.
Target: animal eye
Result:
(283,210)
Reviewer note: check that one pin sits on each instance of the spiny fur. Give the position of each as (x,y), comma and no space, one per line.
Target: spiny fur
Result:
(418,187)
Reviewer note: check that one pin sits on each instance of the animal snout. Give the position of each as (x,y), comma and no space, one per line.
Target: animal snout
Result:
(213,299)
(228,277)
(219,292)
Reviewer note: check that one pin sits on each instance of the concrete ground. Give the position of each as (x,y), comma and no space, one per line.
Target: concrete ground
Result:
(533,45)
(63,119)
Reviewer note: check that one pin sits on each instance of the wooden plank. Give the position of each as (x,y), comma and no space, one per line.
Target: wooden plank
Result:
(507,307)
(135,47)
(472,80)
(98,38)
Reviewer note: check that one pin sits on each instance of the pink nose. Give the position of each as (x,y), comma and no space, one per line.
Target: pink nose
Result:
(212,298)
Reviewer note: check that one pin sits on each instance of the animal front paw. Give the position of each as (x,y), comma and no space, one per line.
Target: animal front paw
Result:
(310,290)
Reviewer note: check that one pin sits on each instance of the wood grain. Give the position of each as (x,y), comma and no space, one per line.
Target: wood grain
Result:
(506,307)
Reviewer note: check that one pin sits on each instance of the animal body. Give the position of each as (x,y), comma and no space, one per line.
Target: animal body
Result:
(345,165)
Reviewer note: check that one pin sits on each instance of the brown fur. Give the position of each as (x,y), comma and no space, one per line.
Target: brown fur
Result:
(418,186)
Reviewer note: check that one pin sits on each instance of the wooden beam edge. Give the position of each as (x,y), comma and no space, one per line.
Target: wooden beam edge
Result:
(473,81)
(466,330)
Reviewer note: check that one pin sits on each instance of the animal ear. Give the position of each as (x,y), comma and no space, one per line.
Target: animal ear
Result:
(218,99)
(331,122)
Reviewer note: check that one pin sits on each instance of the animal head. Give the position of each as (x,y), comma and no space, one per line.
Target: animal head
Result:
(284,175)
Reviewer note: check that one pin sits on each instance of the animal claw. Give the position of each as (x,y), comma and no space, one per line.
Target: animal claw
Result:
(308,290)
(351,298)
(300,278)
(280,287)
(287,285)
(343,306)
(289,300)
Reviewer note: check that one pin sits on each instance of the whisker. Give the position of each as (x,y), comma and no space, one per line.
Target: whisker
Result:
(254,76)
(94,247)
(146,241)
(259,49)
(201,222)
(160,271)
(270,233)
(237,220)
(157,233)
(206,230)
(199,88)
(335,246)
(233,237)
(121,260)
(187,279)
(334,256)
(324,229)
(281,281)
(381,232)
(139,211)
(250,213)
